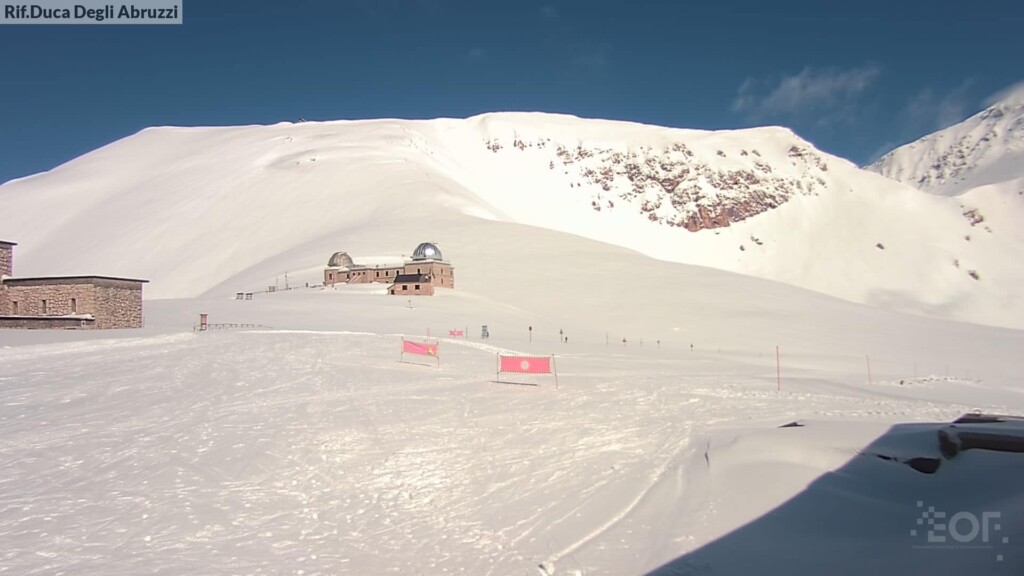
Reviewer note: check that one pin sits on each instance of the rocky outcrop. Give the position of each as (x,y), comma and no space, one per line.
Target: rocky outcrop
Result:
(674,186)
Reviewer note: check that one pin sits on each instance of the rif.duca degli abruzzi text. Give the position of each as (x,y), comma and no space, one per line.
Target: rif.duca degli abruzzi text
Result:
(94,13)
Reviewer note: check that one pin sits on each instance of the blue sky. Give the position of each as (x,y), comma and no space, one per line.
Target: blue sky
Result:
(854,78)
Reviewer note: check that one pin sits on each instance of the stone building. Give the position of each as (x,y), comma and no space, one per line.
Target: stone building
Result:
(98,302)
(418,275)
(412,285)
(341,269)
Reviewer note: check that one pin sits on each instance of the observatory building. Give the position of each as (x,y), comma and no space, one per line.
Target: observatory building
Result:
(415,276)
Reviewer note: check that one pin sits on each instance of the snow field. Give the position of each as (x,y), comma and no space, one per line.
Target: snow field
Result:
(312,452)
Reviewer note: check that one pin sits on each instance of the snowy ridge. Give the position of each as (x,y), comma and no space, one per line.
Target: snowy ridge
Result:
(985,149)
(197,210)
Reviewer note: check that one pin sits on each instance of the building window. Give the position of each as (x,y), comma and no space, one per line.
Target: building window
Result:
(74,306)
(418,271)
(392,291)
(15,311)
(377,274)
(405,287)
(417,286)
(44,307)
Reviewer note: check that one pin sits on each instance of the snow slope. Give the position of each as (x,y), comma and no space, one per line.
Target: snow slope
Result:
(215,210)
(308,449)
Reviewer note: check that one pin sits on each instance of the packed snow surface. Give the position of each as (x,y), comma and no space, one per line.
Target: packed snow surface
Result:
(307,447)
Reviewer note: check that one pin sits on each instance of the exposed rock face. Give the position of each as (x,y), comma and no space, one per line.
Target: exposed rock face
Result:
(674,186)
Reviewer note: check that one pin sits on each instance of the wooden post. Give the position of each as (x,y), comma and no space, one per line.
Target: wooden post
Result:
(868,358)
(778,371)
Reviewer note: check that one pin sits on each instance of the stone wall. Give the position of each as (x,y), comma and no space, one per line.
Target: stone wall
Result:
(6,259)
(27,300)
(49,323)
(118,306)
(410,289)
(441,273)
(360,275)
(114,303)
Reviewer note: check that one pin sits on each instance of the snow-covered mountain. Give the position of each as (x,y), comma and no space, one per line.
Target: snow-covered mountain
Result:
(985,149)
(702,422)
(208,210)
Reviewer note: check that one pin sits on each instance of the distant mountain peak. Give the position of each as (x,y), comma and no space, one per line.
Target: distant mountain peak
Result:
(986,148)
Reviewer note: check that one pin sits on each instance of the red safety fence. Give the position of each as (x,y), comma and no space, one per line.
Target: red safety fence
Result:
(420,349)
(518,364)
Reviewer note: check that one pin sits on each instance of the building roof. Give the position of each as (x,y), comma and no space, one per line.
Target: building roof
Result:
(427,251)
(340,260)
(367,263)
(411,278)
(68,279)
(6,243)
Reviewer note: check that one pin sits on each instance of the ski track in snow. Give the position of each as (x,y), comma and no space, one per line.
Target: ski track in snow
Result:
(308,452)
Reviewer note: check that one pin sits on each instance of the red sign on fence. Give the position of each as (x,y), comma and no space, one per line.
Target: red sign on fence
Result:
(455,333)
(420,349)
(527,365)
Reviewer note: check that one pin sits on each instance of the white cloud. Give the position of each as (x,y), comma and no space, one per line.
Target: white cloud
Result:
(881,150)
(812,90)
(1014,90)
(932,111)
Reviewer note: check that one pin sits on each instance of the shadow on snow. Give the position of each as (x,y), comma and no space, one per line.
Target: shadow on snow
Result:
(912,502)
